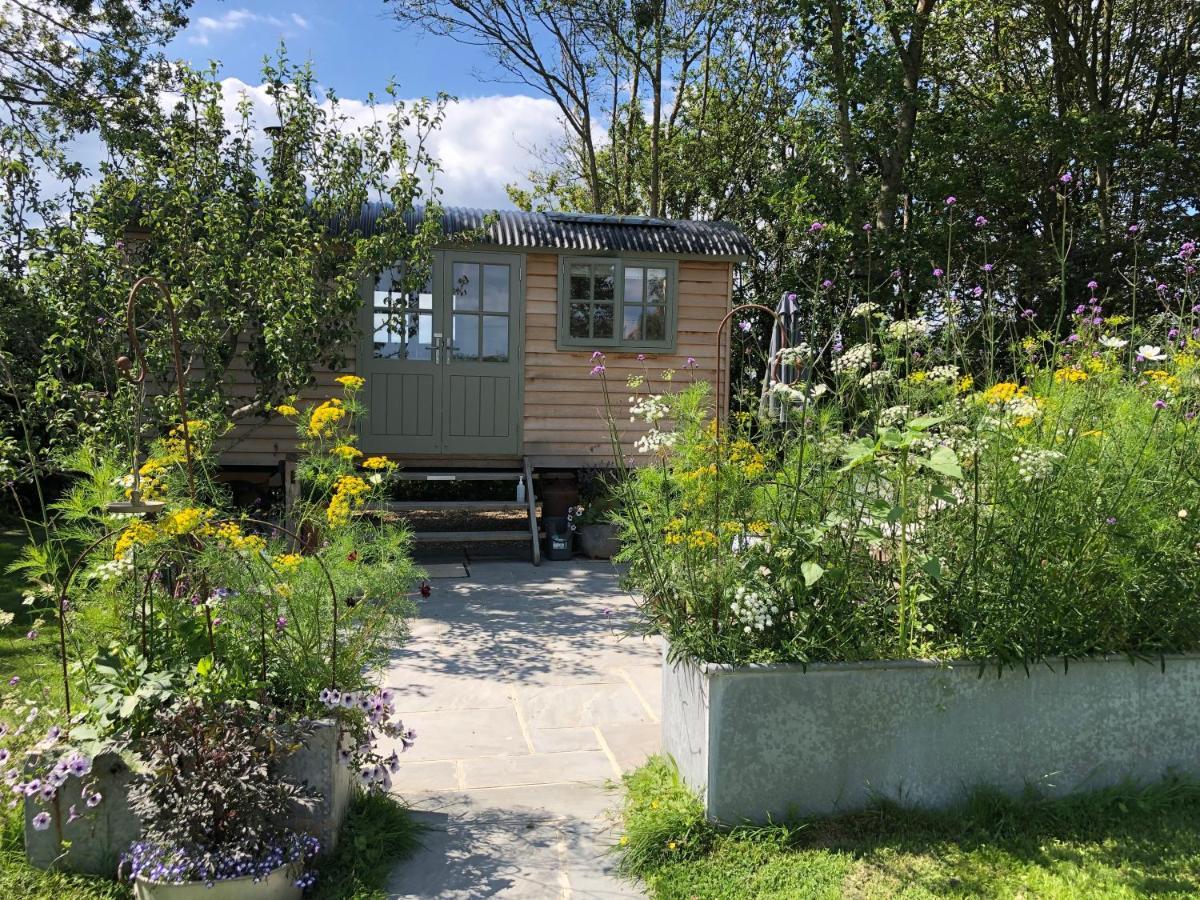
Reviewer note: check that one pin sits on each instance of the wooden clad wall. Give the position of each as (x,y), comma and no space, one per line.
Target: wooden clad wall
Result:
(564,403)
(563,406)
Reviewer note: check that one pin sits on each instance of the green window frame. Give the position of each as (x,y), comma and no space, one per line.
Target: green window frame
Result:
(629,303)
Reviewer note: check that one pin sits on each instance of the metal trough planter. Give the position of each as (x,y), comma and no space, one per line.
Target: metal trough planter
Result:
(779,741)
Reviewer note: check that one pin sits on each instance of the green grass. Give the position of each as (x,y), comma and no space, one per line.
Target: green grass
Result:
(1117,843)
(378,832)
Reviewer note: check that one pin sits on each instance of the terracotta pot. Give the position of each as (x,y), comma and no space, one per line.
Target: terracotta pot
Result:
(279,885)
(598,540)
(558,493)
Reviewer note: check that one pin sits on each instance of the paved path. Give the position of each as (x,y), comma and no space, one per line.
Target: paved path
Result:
(527,700)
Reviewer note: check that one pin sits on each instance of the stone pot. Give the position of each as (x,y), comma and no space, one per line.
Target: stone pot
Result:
(598,540)
(93,843)
(279,885)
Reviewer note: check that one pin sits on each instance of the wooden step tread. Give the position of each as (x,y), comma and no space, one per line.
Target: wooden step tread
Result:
(459,476)
(465,537)
(434,505)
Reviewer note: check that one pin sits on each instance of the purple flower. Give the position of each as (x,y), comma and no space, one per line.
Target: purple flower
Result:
(745,325)
(691,363)
(987,267)
(1173,333)
(868,228)
(72,814)
(53,734)
(598,370)
(41,821)
(94,799)
(324,696)
(79,765)
(32,787)
(48,791)
(1092,285)
(1134,229)
(15,680)
(951,200)
(938,273)
(280,624)
(1028,314)
(597,356)
(32,634)
(1162,288)
(349,700)
(977,291)
(606,612)
(1160,403)
(4,754)
(1097,321)
(827,284)
(1072,338)
(1111,520)
(981,221)
(816,227)
(641,357)
(1065,178)
(1187,249)
(791,297)
(896,273)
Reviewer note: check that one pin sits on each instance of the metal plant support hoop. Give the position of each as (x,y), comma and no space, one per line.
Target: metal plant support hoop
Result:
(136,506)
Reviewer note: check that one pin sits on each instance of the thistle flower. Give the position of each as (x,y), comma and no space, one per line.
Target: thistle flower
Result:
(981,221)
(951,200)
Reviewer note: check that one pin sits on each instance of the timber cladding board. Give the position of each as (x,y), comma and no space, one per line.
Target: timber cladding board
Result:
(562,413)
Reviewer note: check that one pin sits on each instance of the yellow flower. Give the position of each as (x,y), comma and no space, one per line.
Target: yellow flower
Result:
(965,384)
(1093,432)
(701,539)
(135,534)
(377,462)
(351,382)
(754,469)
(1163,379)
(1070,375)
(624,839)
(1003,392)
(1117,320)
(346,452)
(325,418)
(288,562)
(759,527)
(670,845)
(185,521)
(1095,365)
(285,409)
(918,377)
(283,590)
(347,496)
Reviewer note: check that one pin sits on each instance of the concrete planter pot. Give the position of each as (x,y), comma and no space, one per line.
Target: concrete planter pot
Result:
(761,742)
(97,840)
(598,540)
(279,885)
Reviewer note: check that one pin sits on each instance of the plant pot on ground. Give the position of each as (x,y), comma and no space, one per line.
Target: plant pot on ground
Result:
(210,804)
(593,521)
(598,540)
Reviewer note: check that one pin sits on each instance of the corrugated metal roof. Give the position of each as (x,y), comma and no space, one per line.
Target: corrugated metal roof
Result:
(580,232)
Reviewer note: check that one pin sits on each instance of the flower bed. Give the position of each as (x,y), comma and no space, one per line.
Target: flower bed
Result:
(936,477)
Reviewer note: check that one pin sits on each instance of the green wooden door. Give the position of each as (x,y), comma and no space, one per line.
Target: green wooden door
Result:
(443,364)
(481,381)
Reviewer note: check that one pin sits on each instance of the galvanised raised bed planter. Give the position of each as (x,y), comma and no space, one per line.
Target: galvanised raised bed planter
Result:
(779,741)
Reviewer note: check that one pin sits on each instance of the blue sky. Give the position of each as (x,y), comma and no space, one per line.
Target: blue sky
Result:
(492,136)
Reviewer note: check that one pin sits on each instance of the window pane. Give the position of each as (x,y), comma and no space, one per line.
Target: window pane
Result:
(418,336)
(603,281)
(635,284)
(495,338)
(656,285)
(580,320)
(631,330)
(423,300)
(384,348)
(602,320)
(495,288)
(466,286)
(655,323)
(581,283)
(466,337)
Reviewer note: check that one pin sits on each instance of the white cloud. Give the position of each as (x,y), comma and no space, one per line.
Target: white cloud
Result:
(483,144)
(203,28)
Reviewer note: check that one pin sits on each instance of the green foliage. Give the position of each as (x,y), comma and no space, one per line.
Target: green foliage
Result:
(903,498)
(378,834)
(1118,843)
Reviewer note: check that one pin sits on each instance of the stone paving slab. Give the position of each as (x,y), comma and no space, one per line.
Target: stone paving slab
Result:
(529,701)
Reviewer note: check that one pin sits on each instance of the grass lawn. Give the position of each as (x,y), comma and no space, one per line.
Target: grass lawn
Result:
(378,831)
(1118,843)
